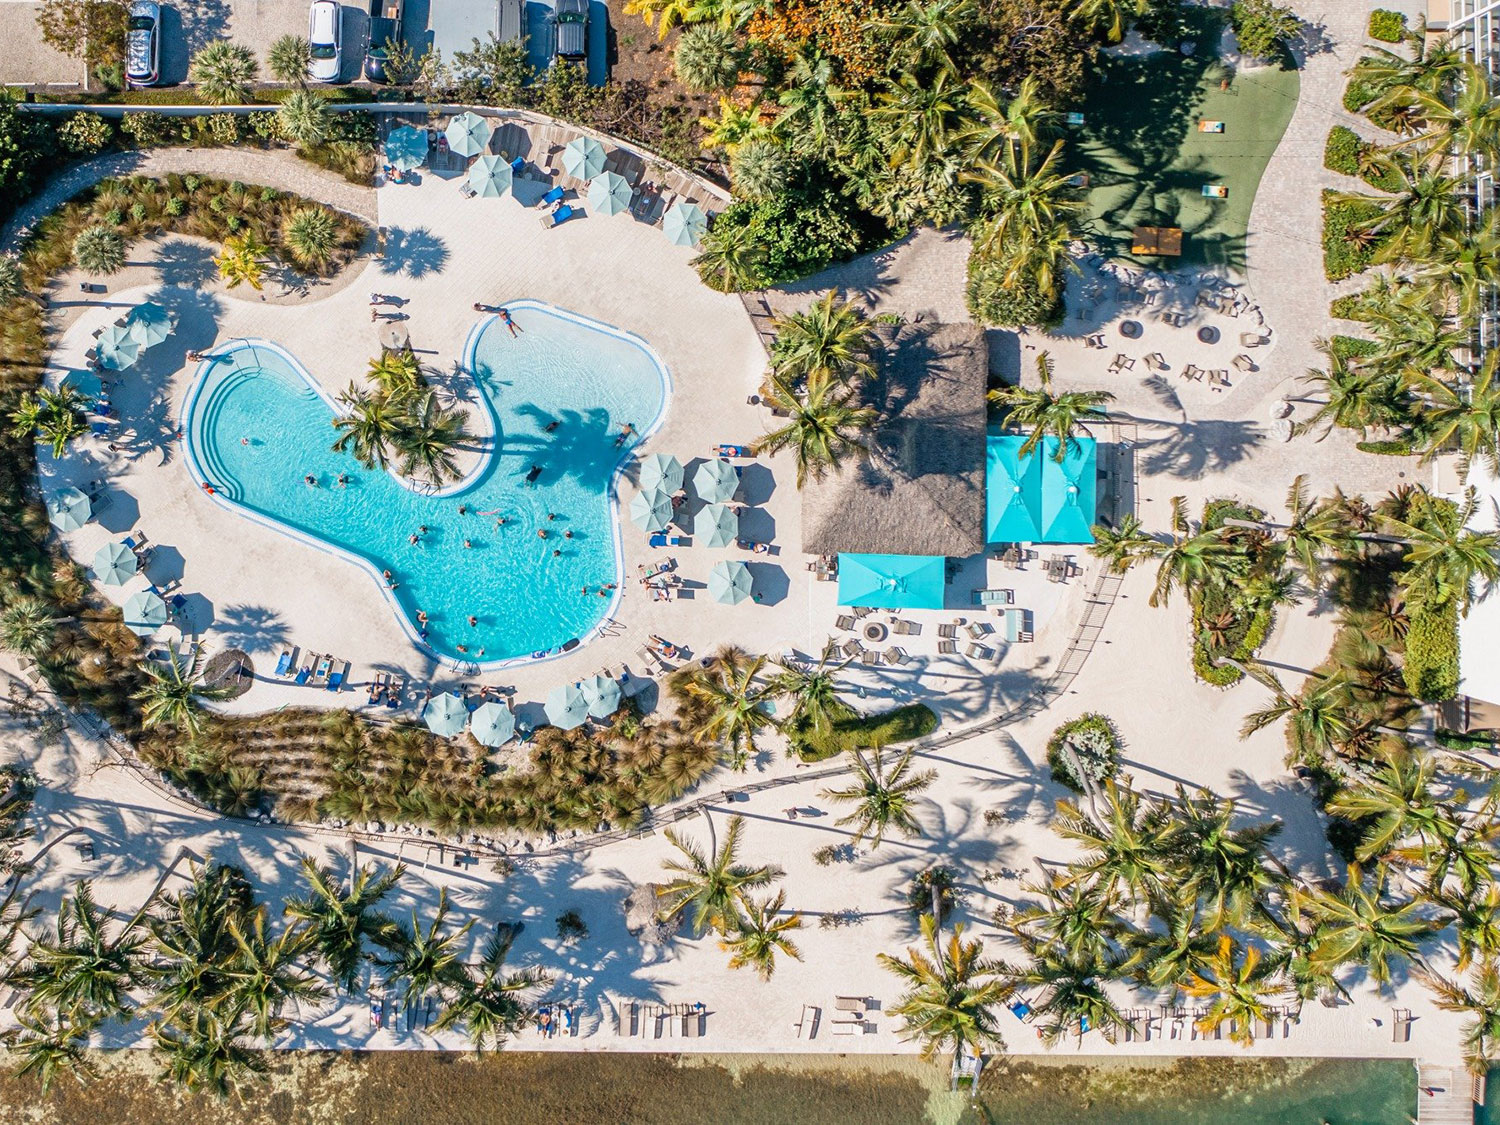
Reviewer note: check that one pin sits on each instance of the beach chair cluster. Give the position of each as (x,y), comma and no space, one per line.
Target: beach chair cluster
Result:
(385,690)
(856,1015)
(663,1021)
(319,669)
(553,1020)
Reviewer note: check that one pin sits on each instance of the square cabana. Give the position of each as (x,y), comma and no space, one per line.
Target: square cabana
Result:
(1037,498)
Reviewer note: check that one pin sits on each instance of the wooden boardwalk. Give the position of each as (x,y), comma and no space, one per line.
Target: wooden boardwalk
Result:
(1445,1095)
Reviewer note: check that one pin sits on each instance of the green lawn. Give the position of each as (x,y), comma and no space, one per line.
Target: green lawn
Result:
(1147,162)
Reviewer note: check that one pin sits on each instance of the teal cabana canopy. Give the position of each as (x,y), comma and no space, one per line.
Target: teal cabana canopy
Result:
(1037,499)
(892,581)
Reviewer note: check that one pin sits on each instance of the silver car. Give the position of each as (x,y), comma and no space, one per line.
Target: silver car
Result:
(143,44)
(323,30)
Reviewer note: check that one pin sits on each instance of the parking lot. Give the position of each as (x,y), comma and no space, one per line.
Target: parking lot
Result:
(188,25)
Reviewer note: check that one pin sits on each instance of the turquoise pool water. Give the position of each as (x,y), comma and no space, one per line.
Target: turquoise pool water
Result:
(256,425)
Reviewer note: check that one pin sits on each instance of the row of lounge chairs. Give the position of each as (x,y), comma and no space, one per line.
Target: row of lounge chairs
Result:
(658,1021)
(1144,1024)
(319,669)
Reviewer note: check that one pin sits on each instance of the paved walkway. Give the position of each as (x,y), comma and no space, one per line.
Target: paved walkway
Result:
(275,168)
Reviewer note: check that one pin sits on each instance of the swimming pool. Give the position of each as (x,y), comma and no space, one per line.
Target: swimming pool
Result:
(257,424)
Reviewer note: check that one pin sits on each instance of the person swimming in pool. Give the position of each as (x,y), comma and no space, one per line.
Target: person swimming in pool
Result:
(505,319)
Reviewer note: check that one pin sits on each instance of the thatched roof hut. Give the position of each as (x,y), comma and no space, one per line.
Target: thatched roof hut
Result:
(921,490)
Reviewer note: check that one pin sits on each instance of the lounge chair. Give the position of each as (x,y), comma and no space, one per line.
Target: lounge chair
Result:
(393,694)
(324,667)
(553,196)
(1244,363)
(284,662)
(662,539)
(979,630)
(947,630)
(852,648)
(851,1003)
(994,597)
(978,652)
(848,1027)
(336,679)
(947,648)
(896,655)
(907,629)
(870,659)
(1252,339)
(844,621)
(561,215)
(305,672)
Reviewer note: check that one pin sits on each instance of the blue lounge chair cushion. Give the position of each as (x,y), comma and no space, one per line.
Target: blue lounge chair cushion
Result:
(562,214)
(554,195)
(335,681)
(283,664)
(303,674)
(517,164)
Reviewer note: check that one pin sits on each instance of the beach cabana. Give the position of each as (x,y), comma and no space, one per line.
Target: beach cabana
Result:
(662,472)
(406,148)
(602,695)
(715,481)
(892,581)
(69,510)
(115,564)
(468,134)
(684,224)
(609,193)
(1038,498)
(566,707)
(716,525)
(730,582)
(118,347)
(583,158)
(492,723)
(149,323)
(145,613)
(651,510)
(490,177)
(445,714)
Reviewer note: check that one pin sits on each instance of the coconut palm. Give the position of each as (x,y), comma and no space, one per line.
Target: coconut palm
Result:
(1466,262)
(267,973)
(205,1051)
(240,260)
(1465,417)
(490,1004)
(1425,204)
(921,116)
(1024,117)
(1354,398)
(1123,546)
(708,58)
(304,118)
(1476,924)
(99,250)
(81,972)
(1319,717)
(951,993)
(1046,414)
(48,1046)
(339,918)
(425,960)
(882,799)
(1072,995)
(1396,805)
(1026,195)
(760,170)
(397,373)
(1240,989)
(427,436)
(731,256)
(172,690)
(369,428)
(1395,75)
(809,106)
(62,417)
(824,424)
(1462,118)
(925,32)
(1480,1000)
(289,58)
(832,340)
(1191,558)
(1080,919)
(1314,530)
(762,934)
(736,125)
(28,625)
(711,890)
(1443,557)
(813,691)
(725,699)
(1358,926)
(1225,867)
(311,235)
(1107,18)
(193,945)
(1162,957)
(1126,842)
(223,72)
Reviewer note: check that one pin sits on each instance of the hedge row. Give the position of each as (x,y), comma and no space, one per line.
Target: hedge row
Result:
(1341,151)
(1431,664)
(1387,26)
(1342,256)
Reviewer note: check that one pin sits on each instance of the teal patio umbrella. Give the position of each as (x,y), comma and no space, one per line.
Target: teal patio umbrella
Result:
(583,158)
(684,224)
(609,194)
(602,695)
(468,134)
(717,526)
(115,564)
(69,510)
(490,177)
(445,714)
(118,347)
(715,481)
(730,582)
(150,324)
(893,581)
(651,510)
(661,471)
(566,707)
(406,147)
(492,723)
(145,613)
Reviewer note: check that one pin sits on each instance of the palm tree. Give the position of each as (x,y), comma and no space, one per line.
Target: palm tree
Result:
(490,1005)
(1080,919)
(708,58)
(267,973)
(1126,848)
(762,934)
(1395,803)
(1059,416)
(1356,925)
(1462,118)
(1464,261)
(921,116)
(1107,17)
(304,118)
(882,800)
(1027,196)
(1191,558)
(425,960)
(48,1046)
(832,340)
(1123,546)
(760,170)
(369,429)
(1072,996)
(1241,989)
(1425,204)
(396,373)
(55,417)
(223,72)
(725,699)
(1163,957)
(289,58)
(205,1051)
(814,692)
(1443,556)
(1481,1001)
(1313,531)
(240,260)
(925,32)
(823,427)
(28,625)
(172,689)
(731,256)
(427,434)
(99,250)
(1355,399)
(311,235)
(1476,924)
(80,972)
(1025,117)
(1319,719)
(951,993)
(712,890)
(1226,868)
(809,106)
(339,919)
(736,125)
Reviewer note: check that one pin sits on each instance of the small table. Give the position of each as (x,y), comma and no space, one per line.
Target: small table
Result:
(1130,329)
(1208,334)
(1164,241)
(875,631)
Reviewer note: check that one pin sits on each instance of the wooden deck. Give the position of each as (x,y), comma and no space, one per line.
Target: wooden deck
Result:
(1445,1095)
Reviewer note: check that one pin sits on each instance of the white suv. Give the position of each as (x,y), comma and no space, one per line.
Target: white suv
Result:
(323,39)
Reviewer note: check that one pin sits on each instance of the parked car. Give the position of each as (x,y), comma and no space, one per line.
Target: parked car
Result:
(512,21)
(571,20)
(143,44)
(323,40)
(385,27)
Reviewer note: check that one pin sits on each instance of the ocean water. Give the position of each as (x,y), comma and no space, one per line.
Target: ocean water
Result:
(257,426)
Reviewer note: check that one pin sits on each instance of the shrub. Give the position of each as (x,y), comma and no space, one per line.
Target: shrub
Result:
(25,141)
(1094,742)
(146,129)
(85,134)
(1345,255)
(99,250)
(571,927)
(1430,668)
(1263,28)
(919,892)
(1400,447)
(1387,26)
(798,232)
(991,301)
(1348,307)
(1352,347)
(757,169)
(1358,94)
(852,731)
(1341,152)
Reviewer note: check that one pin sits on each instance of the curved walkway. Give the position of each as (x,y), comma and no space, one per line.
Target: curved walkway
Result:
(274,168)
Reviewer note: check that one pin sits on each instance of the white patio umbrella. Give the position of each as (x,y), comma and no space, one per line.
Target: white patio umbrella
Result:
(661,471)
(493,723)
(468,134)
(145,613)
(445,714)
(602,695)
(651,510)
(730,582)
(684,224)
(609,193)
(566,707)
(490,177)
(115,564)
(149,323)
(69,510)
(716,525)
(583,158)
(715,481)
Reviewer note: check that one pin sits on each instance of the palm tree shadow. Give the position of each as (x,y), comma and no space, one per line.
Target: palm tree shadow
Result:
(413,253)
(1192,450)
